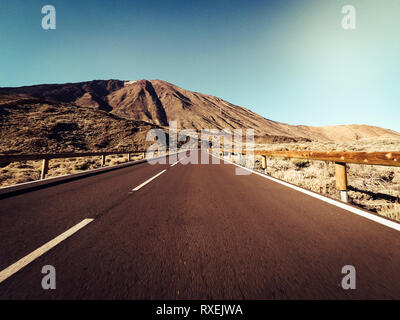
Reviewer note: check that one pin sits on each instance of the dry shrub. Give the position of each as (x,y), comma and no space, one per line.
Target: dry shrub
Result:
(375,188)
(19,172)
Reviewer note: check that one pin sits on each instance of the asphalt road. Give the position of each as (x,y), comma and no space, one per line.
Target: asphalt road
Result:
(193,232)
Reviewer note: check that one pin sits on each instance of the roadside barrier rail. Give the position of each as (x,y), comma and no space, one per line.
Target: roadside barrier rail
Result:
(46,157)
(339,158)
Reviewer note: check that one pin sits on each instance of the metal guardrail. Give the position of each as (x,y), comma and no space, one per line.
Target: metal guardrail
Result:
(46,157)
(41,156)
(339,158)
(369,158)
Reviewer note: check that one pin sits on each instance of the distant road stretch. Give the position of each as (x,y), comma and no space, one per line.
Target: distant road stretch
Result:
(189,232)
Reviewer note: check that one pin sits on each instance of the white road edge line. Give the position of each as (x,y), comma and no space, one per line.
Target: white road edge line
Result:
(174,163)
(383,221)
(14,268)
(147,181)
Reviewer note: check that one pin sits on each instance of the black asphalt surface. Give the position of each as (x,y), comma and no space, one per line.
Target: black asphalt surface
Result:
(194,232)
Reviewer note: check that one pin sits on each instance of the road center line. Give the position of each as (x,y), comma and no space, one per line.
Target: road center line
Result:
(174,163)
(147,181)
(14,268)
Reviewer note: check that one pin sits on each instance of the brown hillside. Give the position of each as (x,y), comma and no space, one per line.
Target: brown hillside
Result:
(63,127)
(159,102)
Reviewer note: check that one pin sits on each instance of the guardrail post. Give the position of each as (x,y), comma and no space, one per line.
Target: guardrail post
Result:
(341,180)
(103,160)
(264,163)
(45,168)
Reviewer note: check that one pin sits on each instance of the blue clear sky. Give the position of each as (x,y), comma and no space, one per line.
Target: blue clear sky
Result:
(289,61)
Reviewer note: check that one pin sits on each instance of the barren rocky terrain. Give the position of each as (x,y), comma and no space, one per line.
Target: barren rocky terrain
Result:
(116,115)
(375,188)
(158,102)
(64,127)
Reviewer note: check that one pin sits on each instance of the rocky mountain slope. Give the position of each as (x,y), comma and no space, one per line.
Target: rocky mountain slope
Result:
(38,127)
(132,105)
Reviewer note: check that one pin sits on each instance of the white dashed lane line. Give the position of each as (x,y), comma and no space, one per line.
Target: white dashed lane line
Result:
(174,163)
(147,181)
(14,268)
(23,262)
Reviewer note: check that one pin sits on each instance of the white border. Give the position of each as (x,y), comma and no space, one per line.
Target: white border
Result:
(365,214)
(65,177)
(23,262)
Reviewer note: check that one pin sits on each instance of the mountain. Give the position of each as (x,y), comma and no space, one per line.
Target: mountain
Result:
(352,132)
(39,127)
(145,103)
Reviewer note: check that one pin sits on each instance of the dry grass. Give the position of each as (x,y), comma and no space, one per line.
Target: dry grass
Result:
(375,188)
(19,172)
(43,128)
(53,128)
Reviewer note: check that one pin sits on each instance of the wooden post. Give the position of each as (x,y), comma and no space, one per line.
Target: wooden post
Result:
(129,157)
(144,155)
(103,160)
(264,163)
(45,168)
(341,180)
